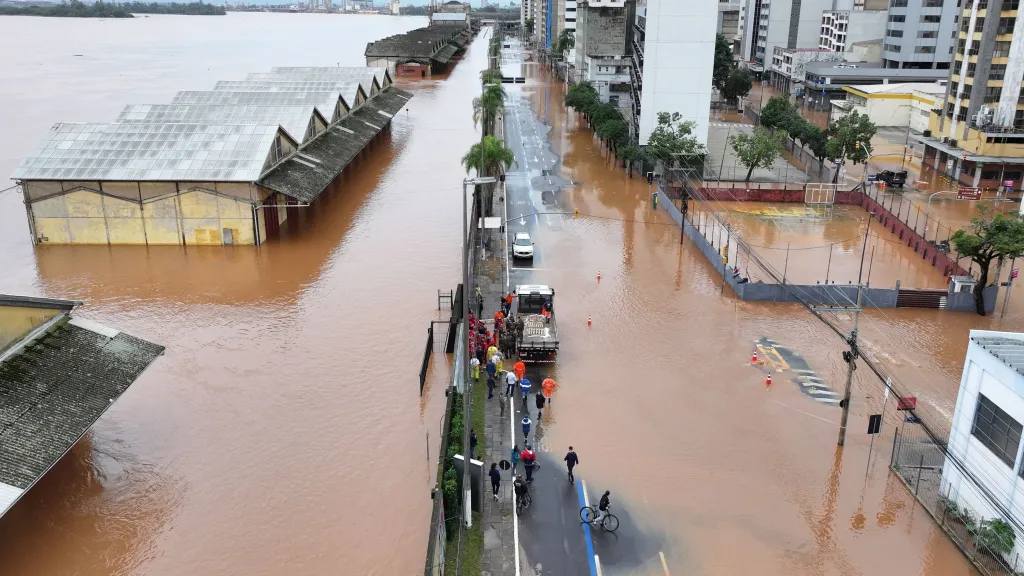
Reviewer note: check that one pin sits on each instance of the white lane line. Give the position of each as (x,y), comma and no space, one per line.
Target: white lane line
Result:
(805,413)
(515,514)
(597,564)
(664,564)
(586,499)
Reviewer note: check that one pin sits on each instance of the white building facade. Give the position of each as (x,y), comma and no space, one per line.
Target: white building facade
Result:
(602,51)
(983,469)
(841,29)
(673,56)
(786,23)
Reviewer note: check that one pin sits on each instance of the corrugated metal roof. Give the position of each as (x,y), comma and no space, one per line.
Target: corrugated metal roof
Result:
(1007,350)
(348,88)
(381,74)
(450,16)
(8,496)
(325,102)
(445,53)
(294,119)
(150,152)
(366,79)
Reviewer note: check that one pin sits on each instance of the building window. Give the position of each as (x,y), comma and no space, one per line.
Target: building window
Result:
(1006,25)
(1010,5)
(897,18)
(992,94)
(949,110)
(893,47)
(924,50)
(933,3)
(996,430)
(895,33)
(997,72)
(1001,49)
(928,34)
(931,19)
(898,4)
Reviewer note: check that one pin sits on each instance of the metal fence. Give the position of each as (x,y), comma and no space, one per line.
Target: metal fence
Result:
(919,461)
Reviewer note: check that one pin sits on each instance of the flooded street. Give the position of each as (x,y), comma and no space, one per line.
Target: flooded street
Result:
(282,432)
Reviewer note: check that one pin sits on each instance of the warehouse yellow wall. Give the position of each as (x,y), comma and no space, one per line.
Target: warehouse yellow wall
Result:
(17,321)
(193,216)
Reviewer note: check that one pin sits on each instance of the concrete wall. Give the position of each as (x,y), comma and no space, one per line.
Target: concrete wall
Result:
(17,321)
(193,216)
(605,32)
(678,60)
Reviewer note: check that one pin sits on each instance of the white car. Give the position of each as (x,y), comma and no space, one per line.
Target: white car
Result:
(522,246)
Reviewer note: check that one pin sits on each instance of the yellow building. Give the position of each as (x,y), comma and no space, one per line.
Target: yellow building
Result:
(976,133)
(225,166)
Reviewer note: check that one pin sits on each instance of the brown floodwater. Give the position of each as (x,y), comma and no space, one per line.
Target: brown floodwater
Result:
(282,432)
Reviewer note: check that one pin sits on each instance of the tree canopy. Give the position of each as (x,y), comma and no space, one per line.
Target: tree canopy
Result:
(850,139)
(723,63)
(529,26)
(990,237)
(496,157)
(737,85)
(604,118)
(672,140)
(566,41)
(486,106)
(757,150)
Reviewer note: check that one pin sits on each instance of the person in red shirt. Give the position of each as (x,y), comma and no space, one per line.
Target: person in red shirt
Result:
(529,460)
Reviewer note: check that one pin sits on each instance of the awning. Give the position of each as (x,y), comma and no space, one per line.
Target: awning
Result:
(445,54)
(959,152)
(306,174)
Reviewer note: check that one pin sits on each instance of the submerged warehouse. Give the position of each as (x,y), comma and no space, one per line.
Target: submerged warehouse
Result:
(223,166)
(422,52)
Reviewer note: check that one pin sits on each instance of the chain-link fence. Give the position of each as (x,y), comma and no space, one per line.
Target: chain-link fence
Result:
(957,503)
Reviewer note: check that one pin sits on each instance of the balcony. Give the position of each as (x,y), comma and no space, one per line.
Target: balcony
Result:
(638,49)
(640,24)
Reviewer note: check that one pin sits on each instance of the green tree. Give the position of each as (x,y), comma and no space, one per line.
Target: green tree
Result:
(486,106)
(496,157)
(566,41)
(850,139)
(672,140)
(723,63)
(529,26)
(757,150)
(491,76)
(990,237)
(581,97)
(737,85)
(778,113)
(816,140)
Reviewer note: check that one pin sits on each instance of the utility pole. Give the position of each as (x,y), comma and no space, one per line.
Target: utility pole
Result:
(853,353)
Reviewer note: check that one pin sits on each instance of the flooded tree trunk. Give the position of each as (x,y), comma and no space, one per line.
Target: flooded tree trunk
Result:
(979,288)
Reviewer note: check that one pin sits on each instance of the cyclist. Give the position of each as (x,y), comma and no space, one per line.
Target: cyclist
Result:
(521,490)
(602,508)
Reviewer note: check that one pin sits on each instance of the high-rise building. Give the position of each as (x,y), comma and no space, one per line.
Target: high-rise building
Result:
(396,7)
(526,8)
(977,136)
(786,23)
(603,35)
(920,33)
(841,29)
(673,51)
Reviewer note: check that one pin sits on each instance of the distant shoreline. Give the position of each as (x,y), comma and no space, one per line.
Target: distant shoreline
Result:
(100,9)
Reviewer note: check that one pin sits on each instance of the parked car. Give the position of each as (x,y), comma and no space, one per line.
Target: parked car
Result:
(891,178)
(522,246)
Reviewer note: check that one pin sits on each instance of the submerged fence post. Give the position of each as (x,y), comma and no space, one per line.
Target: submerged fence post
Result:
(917,486)
(892,455)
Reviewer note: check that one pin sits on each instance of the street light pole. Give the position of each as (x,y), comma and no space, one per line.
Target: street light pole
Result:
(928,209)
(852,355)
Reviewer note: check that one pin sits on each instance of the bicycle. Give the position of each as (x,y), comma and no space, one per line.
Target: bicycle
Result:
(610,522)
(523,502)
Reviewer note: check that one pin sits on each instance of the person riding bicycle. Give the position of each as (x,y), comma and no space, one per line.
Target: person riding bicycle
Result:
(602,507)
(520,488)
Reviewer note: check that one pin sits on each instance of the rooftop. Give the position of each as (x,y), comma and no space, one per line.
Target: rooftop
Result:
(844,72)
(934,88)
(450,16)
(1008,350)
(349,88)
(293,119)
(55,382)
(420,43)
(381,74)
(326,101)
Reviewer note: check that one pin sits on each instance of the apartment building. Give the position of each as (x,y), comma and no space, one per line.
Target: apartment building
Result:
(977,135)
(526,11)
(788,70)
(729,21)
(786,23)
(920,34)
(602,54)
(841,30)
(673,46)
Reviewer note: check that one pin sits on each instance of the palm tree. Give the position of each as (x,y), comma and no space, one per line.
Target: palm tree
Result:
(566,41)
(490,76)
(496,159)
(486,106)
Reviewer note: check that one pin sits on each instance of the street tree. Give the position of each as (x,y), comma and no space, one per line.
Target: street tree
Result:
(737,85)
(487,105)
(496,159)
(990,237)
(723,63)
(582,97)
(672,140)
(778,113)
(566,41)
(490,76)
(757,150)
(529,26)
(850,139)
(816,140)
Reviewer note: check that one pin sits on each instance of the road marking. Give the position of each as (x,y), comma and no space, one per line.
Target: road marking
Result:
(805,413)
(581,493)
(597,563)
(515,513)
(664,564)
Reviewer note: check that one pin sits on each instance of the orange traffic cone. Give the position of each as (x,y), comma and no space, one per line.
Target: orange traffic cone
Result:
(753,359)
(768,382)
(588,320)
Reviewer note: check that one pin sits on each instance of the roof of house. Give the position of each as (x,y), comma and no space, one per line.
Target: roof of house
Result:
(305,175)
(53,386)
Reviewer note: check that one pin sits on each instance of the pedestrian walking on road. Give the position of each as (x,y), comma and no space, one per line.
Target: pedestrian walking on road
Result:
(508,302)
(520,369)
(524,387)
(490,387)
(526,422)
(515,458)
(495,480)
(529,461)
(475,364)
(540,405)
(520,327)
(571,460)
(510,383)
(491,351)
(481,353)
(491,369)
(549,388)
(472,444)
(498,361)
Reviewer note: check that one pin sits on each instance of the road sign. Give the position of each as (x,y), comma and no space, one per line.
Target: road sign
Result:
(906,403)
(968,193)
(1013,274)
(1008,183)
(874,423)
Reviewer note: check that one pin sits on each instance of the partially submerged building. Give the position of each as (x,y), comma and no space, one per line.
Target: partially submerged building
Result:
(58,375)
(420,52)
(223,166)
